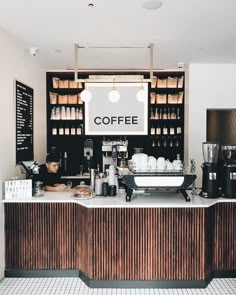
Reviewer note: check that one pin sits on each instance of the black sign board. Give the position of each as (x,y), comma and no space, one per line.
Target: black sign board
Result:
(24,122)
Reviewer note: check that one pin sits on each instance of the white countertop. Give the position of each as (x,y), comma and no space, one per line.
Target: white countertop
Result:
(140,200)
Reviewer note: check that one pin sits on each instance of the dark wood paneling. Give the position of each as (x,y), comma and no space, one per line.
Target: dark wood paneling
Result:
(149,244)
(121,243)
(42,236)
(225,237)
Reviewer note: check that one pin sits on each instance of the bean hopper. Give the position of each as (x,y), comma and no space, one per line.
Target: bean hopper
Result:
(210,177)
(228,153)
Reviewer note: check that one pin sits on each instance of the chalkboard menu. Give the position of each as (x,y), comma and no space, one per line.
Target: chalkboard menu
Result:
(24,122)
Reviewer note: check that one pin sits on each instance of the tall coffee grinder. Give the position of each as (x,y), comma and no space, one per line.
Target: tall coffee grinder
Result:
(228,153)
(210,177)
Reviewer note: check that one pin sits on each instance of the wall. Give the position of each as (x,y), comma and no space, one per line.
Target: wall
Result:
(210,86)
(15,64)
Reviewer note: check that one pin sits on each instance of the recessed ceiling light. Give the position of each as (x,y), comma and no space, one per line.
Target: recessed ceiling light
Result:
(152,4)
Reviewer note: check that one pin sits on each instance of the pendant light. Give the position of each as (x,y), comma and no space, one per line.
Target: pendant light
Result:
(86,95)
(141,94)
(114,94)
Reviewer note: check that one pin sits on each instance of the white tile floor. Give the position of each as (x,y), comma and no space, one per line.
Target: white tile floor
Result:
(74,286)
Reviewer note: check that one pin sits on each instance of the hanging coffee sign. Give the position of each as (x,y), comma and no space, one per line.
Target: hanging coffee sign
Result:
(127,116)
(24,122)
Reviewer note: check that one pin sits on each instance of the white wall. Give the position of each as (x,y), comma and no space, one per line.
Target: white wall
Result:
(15,64)
(210,86)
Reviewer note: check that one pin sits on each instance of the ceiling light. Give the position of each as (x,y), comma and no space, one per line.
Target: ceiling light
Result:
(152,4)
(114,94)
(86,95)
(141,94)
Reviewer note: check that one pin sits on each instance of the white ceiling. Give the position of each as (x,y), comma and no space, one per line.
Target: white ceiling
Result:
(186,31)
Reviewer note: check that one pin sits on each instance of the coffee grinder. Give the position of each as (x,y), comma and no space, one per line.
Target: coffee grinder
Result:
(210,177)
(228,153)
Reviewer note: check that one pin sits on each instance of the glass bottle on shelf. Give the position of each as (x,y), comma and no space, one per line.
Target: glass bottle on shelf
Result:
(78,130)
(67,130)
(72,130)
(54,130)
(53,114)
(158,130)
(158,142)
(164,114)
(77,114)
(152,114)
(156,114)
(172,130)
(173,114)
(152,130)
(80,114)
(153,143)
(72,113)
(178,114)
(179,130)
(61,130)
(168,113)
(165,130)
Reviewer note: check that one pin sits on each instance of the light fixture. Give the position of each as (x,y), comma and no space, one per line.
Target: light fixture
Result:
(114,94)
(86,95)
(141,94)
(109,78)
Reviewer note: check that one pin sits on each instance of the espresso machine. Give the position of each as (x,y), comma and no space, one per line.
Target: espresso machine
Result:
(228,153)
(88,155)
(210,177)
(114,153)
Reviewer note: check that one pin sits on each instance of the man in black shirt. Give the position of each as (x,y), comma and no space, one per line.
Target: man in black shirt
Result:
(50,174)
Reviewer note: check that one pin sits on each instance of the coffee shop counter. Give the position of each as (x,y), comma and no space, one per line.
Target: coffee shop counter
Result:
(139,200)
(153,241)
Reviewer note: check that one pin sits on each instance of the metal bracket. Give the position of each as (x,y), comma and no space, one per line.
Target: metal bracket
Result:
(111,78)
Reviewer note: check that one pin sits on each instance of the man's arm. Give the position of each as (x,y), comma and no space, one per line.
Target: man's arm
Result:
(55,188)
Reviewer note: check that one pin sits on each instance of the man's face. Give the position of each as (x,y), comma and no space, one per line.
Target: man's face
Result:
(53,167)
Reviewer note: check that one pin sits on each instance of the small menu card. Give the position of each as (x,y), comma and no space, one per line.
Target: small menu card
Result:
(18,189)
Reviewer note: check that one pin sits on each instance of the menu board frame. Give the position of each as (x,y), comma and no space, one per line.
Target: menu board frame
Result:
(24,99)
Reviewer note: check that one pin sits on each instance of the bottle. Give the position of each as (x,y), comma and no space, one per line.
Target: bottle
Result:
(80,114)
(77,114)
(61,130)
(67,130)
(111,175)
(62,113)
(65,162)
(172,130)
(173,114)
(152,130)
(178,114)
(72,113)
(98,185)
(78,130)
(67,113)
(156,114)
(179,130)
(158,130)
(72,130)
(168,114)
(165,130)
(164,114)
(92,178)
(151,114)
(54,130)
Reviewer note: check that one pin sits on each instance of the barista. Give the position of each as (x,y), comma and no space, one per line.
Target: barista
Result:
(50,174)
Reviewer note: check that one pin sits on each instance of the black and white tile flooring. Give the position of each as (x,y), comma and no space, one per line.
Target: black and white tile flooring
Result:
(74,286)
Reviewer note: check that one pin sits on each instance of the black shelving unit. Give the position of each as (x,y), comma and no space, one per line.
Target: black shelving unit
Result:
(168,145)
